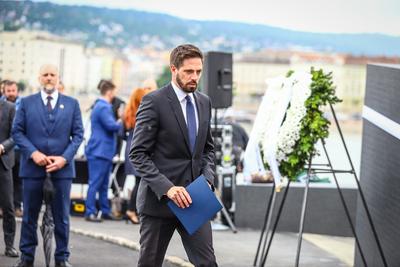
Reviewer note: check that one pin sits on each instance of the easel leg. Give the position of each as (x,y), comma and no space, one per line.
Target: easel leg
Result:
(227,217)
(303,212)
(360,191)
(113,179)
(264,256)
(266,225)
(344,205)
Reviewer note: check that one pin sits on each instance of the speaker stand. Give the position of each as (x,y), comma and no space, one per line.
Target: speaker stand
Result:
(224,211)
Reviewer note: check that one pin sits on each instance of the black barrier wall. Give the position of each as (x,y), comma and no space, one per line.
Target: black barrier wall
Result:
(325,214)
(380,167)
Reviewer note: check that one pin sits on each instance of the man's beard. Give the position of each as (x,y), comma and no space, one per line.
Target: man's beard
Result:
(185,87)
(49,88)
(11,99)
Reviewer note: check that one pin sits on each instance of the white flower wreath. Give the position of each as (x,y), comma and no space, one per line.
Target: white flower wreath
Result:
(275,140)
(286,103)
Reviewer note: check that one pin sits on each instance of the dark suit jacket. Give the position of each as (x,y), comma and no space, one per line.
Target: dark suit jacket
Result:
(7,113)
(102,142)
(58,135)
(160,149)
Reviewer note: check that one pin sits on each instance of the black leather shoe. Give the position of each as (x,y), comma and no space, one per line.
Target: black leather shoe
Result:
(11,252)
(22,263)
(93,218)
(63,264)
(110,217)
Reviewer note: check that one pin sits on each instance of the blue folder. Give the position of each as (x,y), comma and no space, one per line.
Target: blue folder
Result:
(204,206)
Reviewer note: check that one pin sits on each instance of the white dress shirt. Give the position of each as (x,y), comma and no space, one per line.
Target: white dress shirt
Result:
(182,100)
(54,95)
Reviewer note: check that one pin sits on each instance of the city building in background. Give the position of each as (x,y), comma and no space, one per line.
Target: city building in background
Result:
(251,70)
(81,67)
(23,52)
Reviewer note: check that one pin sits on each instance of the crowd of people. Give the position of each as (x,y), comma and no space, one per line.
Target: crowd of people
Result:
(169,144)
(110,123)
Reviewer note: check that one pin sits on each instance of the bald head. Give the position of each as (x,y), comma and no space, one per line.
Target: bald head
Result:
(48,67)
(48,77)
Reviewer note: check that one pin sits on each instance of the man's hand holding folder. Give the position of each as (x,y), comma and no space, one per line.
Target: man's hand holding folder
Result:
(179,196)
(202,204)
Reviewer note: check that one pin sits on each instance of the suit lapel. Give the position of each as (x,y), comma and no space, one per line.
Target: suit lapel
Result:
(176,107)
(2,102)
(41,111)
(201,109)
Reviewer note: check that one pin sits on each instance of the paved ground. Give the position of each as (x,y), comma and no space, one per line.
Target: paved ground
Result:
(232,250)
(237,250)
(85,252)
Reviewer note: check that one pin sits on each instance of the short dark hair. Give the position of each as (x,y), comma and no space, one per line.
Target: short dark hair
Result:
(182,52)
(9,83)
(3,82)
(104,86)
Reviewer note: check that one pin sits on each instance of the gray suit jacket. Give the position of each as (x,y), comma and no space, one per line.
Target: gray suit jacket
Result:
(160,149)
(7,113)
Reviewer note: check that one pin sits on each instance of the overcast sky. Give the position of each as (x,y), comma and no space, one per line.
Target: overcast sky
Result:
(341,16)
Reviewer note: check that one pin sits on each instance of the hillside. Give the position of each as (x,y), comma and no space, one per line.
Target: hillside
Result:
(132,28)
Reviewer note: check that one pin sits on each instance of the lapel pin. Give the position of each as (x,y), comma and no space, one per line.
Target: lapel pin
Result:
(62,106)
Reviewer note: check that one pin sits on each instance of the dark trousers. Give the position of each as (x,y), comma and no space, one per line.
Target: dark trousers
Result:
(33,191)
(17,182)
(6,203)
(132,200)
(156,233)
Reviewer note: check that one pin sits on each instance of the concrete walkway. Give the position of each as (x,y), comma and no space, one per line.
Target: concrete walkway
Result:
(233,250)
(117,243)
(85,252)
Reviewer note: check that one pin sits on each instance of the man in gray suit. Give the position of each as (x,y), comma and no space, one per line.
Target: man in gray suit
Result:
(7,113)
(172,146)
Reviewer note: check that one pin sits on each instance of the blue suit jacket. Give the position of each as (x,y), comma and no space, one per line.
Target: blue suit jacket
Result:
(102,142)
(33,130)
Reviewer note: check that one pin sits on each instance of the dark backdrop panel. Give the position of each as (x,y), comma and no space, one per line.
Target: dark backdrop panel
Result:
(380,169)
(82,173)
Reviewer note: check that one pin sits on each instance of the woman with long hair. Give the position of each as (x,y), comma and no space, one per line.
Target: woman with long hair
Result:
(129,123)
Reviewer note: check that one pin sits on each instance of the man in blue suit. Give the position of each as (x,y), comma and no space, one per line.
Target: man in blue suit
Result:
(100,151)
(48,129)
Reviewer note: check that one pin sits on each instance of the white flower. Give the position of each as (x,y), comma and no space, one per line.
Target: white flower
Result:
(289,132)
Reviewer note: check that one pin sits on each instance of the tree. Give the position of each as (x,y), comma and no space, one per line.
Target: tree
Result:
(21,85)
(164,78)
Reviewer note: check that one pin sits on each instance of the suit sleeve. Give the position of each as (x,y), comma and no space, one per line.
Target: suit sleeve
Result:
(19,131)
(107,119)
(207,159)
(142,147)
(76,134)
(8,144)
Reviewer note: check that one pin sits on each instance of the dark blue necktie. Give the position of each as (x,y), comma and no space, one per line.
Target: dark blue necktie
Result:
(191,122)
(48,105)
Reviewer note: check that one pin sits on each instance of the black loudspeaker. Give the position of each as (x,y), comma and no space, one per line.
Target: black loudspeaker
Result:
(217,78)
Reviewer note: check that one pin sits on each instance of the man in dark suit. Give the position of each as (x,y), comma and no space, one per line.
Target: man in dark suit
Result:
(48,129)
(172,147)
(7,112)
(11,94)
